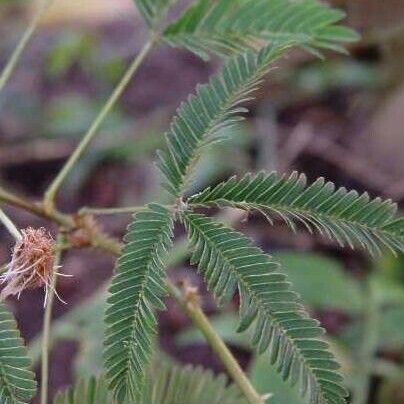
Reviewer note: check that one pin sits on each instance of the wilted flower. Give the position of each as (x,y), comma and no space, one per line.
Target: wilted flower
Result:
(31,265)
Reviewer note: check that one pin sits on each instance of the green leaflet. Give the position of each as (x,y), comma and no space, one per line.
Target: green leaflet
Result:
(153,10)
(345,216)
(136,291)
(17,384)
(200,120)
(167,385)
(228,260)
(226,27)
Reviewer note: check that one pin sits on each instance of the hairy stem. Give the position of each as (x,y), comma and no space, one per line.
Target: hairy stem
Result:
(198,317)
(10,226)
(36,209)
(93,130)
(47,326)
(15,56)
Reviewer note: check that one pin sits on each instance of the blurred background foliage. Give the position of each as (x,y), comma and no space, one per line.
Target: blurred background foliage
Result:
(341,118)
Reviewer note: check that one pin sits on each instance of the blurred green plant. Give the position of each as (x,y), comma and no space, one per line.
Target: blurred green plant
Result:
(170,385)
(316,78)
(72,47)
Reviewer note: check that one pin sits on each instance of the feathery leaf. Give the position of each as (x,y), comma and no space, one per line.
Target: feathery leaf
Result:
(199,121)
(226,27)
(136,291)
(168,385)
(345,216)
(17,384)
(227,260)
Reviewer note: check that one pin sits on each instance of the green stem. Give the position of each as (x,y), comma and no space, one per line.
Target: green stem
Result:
(114,211)
(47,327)
(15,56)
(10,226)
(92,131)
(368,348)
(198,317)
(36,209)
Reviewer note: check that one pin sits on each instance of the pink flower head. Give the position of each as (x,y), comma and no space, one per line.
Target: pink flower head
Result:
(32,263)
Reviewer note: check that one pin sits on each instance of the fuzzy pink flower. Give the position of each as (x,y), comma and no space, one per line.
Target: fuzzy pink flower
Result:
(32,263)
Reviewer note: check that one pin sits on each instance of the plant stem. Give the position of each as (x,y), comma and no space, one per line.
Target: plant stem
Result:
(36,209)
(10,226)
(52,190)
(15,56)
(198,317)
(113,211)
(47,327)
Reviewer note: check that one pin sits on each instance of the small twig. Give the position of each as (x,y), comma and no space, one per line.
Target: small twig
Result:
(198,317)
(10,225)
(47,327)
(36,209)
(15,56)
(52,190)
